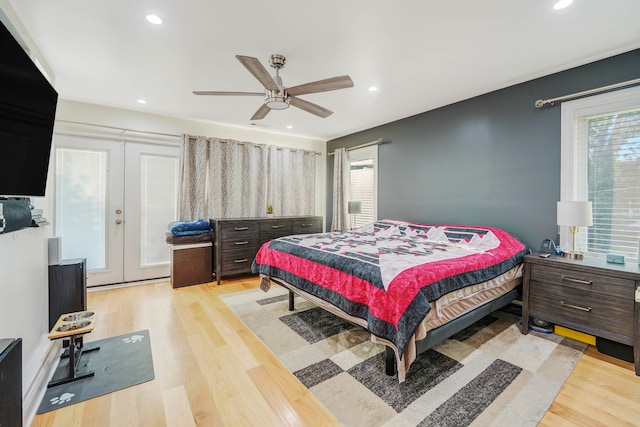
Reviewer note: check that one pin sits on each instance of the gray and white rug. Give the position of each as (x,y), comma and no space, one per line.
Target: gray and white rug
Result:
(487,375)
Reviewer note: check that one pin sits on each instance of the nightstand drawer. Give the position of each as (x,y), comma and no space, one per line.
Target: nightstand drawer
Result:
(582,309)
(592,282)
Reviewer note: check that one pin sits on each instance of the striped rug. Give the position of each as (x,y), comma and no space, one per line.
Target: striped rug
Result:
(487,375)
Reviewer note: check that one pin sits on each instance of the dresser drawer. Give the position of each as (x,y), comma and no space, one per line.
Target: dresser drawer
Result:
(593,282)
(582,309)
(307,226)
(239,231)
(236,263)
(272,229)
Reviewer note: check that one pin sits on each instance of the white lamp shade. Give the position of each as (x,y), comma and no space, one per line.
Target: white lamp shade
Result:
(354,207)
(577,214)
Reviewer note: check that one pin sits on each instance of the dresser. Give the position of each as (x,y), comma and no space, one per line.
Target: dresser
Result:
(588,295)
(237,240)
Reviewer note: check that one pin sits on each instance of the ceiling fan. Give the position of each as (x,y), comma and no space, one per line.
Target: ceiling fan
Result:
(278,97)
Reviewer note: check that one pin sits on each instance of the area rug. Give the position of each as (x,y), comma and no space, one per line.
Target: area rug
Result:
(487,375)
(121,362)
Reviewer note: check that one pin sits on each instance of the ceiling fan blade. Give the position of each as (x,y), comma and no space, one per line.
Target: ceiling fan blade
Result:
(261,113)
(259,72)
(333,83)
(213,92)
(310,107)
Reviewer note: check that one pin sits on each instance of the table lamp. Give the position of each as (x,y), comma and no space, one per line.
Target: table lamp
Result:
(574,214)
(354,208)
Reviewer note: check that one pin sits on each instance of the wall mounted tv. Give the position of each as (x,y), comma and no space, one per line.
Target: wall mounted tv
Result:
(27,112)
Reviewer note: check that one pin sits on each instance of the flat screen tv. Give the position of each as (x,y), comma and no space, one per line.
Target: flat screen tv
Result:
(27,112)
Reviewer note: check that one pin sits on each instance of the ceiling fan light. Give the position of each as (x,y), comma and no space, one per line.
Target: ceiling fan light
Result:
(277,102)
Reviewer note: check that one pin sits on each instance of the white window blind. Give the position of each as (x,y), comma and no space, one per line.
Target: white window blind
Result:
(363,190)
(607,172)
(363,184)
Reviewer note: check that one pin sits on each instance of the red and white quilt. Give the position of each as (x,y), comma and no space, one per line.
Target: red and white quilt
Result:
(387,272)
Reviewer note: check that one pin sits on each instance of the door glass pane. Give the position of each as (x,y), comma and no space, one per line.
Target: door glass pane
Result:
(81,205)
(362,190)
(158,206)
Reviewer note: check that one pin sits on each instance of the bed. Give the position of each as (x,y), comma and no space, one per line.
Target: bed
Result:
(410,285)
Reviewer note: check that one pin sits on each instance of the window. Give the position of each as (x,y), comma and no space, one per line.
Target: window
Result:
(601,163)
(363,185)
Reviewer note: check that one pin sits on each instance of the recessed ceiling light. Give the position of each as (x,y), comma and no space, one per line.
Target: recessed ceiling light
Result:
(289,127)
(562,4)
(373,89)
(154,19)
(141,101)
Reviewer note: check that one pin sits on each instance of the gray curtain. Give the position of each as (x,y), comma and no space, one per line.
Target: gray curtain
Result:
(222,178)
(292,181)
(340,220)
(237,179)
(192,197)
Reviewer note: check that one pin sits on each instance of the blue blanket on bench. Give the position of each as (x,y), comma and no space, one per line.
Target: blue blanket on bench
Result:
(188,228)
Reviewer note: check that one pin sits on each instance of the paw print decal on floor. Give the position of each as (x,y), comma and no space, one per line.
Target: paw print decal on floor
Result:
(133,339)
(63,398)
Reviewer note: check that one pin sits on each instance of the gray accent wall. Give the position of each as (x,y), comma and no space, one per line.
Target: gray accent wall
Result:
(490,160)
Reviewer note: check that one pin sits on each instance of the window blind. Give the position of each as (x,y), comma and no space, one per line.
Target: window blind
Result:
(608,174)
(362,189)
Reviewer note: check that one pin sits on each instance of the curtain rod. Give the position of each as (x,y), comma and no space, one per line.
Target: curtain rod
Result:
(376,142)
(123,130)
(255,144)
(541,103)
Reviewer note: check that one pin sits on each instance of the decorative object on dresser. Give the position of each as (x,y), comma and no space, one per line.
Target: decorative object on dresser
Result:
(237,240)
(588,295)
(574,214)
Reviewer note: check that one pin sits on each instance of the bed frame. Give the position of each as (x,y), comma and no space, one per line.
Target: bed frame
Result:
(439,334)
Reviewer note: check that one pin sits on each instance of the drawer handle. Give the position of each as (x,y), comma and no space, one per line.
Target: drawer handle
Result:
(240,261)
(576,307)
(580,281)
(307,225)
(244,242)
(276,226)
(241,228)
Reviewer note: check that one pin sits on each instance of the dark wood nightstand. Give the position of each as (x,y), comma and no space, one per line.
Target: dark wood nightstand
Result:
(588,295)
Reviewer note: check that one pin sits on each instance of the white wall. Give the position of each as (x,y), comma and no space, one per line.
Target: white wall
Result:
(24,299)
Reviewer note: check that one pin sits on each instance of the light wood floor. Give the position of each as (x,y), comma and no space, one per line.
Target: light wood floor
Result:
(212,371)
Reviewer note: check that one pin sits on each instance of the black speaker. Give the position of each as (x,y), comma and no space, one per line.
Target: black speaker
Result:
(10,382)
(14,215)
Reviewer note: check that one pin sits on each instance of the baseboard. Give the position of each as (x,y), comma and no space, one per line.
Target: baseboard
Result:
(31,399)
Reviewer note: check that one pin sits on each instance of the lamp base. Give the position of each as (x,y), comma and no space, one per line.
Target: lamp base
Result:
(573,255)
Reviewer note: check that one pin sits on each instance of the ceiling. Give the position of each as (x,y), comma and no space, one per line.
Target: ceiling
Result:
(421,55)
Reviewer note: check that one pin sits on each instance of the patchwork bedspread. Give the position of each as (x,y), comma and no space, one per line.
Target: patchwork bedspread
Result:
(387,272)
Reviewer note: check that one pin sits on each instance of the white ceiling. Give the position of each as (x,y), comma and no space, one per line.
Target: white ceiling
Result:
(421,54)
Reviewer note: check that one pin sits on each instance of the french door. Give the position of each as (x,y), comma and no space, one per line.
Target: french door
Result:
(114,200)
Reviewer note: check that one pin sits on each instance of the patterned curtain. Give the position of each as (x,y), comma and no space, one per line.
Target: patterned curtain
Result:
(340,220)
(193,196)
(292,181)
(237,179)
(221,178)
